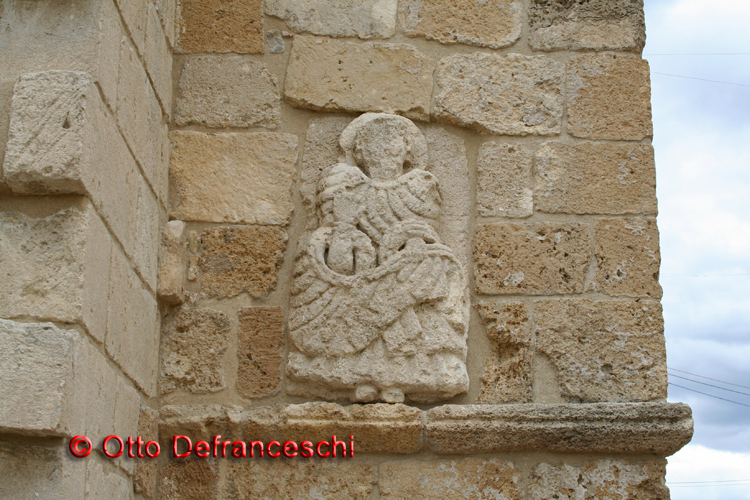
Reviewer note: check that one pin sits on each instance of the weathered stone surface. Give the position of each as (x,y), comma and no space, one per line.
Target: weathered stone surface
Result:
(607,478)
(494,23)
(627,257)
(377,428)
(158,59)
(241,178)
(147,234)
(337,18)
(299,479)
(135,13)
(172,262)
(658,428)
(190,480)
(167,12)
(502,95)
(591,25)
(236,259)
(332,75)
(468,478)
(504,182)
(595,178)
(609,97)
(39,472)
(507,371)
(604,351)
(222,91)
(219,26)
(146,471)
(261,345)
(275,41)
(102,481)
(125,422)
(192,345)
(200,422)
(542,258)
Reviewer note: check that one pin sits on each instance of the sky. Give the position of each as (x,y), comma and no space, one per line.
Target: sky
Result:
(702,143)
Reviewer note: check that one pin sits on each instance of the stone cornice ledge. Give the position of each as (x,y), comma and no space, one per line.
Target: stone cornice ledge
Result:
(659,428)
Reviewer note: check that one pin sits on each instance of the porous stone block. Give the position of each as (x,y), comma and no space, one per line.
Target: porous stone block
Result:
(473,478)
(193,342)
(222,91)
(299,479)
(232,177)
(504,181)
(493,24)
(158,59)
(237,259)
(135,15)
(261,345)
(595,178)
(606,350)
(609,97)
(541,258)
(56,267)
(501,95)
(146,471)
(507,371)
(649,428)
(200,422)
(609,478)
(591,25)
(39,472)
(332,75)
(172,262)
(219,26)
(337,18)
(190,480)
(627,257)
(377,428)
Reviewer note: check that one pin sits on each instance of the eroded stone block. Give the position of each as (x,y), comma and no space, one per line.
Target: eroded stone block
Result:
(332,75)
(146,471)
(502,95)
(337,18)
(261,344)
(227,91)
(494,23)
(200,422)
(504,182)
(190,480)
(219,26)
(172,262)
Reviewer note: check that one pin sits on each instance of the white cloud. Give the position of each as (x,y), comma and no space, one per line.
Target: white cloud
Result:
(698,463)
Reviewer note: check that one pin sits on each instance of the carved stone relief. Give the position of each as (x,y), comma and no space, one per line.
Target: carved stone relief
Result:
(379,307)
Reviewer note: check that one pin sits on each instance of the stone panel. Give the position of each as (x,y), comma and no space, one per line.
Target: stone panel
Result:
(39,473)
(135,14)
(504,182)
(102,481)
(595,178)
(377,428)
(146,471)
(591,25)
(627,257)
(190,480)
(494,24)
(609,97)
(261,345)
(232,177)
(237,259)
(541,258)
(219,26)
(199,422)
(604,351)
(227,91)
(158,59)
(332,75)
(501,95)
(172,262)
(337,18)
(464,479)
(167,12)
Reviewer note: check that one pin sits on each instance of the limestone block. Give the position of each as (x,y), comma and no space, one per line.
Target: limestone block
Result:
(167,11)
(149,218)
(39,473)
(146,471)
(468,478)
(193,342)
(504,181)
(300,479)
(158,59)
(135,15)
(609,478)
(133,324)
(507,371)
(200,422)
(627,257)
(501,95)
(377,428)
(332,75)
(157,171)
(649,428)
(591,25)
(337,18)
(106,482)
(172,262)
(56,267)
(125,423)
(604,351)
(595,178)
(541,258)
(609,97)
(241,178)
(219,26)
(493,24)
(261,345)
(222,91)
(237,259)
(190,480)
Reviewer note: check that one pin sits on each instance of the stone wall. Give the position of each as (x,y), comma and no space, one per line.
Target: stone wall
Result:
(161,167)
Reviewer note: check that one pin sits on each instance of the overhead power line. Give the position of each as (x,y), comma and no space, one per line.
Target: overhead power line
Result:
(708,378)
(709,482)
(700,79)
(704,54)
(710,385)
(709,395)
